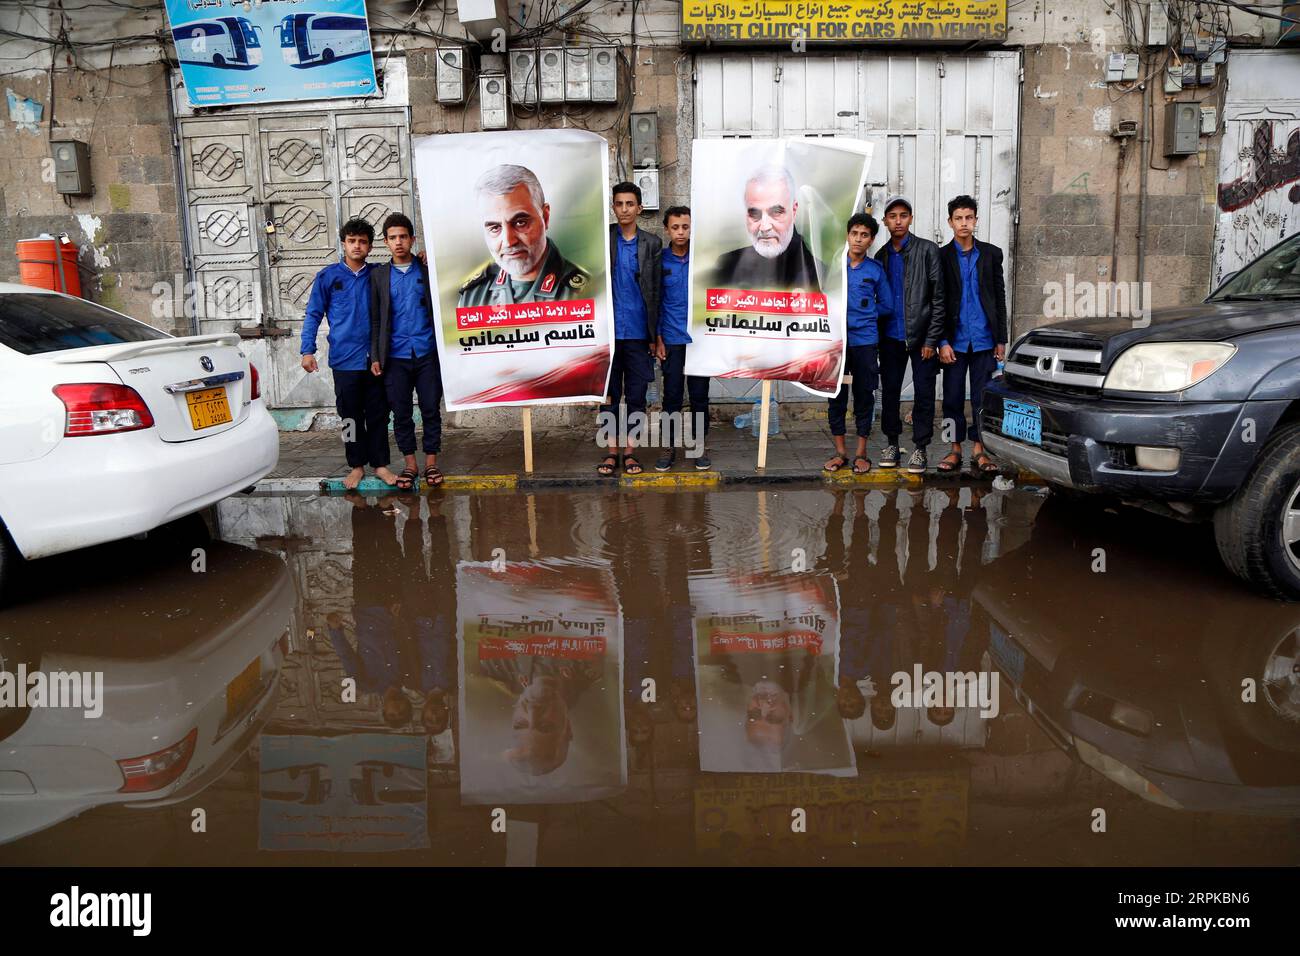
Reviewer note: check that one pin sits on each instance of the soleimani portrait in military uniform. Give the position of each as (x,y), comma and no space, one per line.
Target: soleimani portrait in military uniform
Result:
(526,266)
(778,257)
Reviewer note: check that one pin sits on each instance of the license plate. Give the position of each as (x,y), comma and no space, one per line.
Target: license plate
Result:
(1022,421)
(1007,653)
(241,692)
(208,407)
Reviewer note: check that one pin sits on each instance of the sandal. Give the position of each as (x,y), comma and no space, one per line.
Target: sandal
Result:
(839,458)
(985,465)
(607,467)
(406,480)
(631,466)
(861,471)
(950,462)
(432,476)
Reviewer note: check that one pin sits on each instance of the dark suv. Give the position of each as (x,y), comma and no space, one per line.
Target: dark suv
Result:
(1195,414)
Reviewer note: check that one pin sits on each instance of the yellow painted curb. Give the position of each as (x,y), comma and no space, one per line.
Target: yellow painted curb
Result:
(669,479)
(873,477)
(478,482)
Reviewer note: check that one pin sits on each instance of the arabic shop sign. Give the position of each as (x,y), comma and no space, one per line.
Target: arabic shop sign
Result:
(851,21)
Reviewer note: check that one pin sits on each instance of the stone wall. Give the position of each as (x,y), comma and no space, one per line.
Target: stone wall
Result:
(1068,181)
(128,229)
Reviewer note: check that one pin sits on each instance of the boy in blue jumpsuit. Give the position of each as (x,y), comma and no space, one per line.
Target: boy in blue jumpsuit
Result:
(340,294)
(670,347)
(869,298)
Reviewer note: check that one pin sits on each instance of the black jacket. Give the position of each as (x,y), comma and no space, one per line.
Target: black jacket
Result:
(924,313)
(793,269)
(381,310)
(649,271)
(993,288)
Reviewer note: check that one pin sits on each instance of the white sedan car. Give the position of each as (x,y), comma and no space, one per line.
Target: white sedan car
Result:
(110,428)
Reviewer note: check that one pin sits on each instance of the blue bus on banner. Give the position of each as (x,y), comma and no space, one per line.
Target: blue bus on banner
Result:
(231,52)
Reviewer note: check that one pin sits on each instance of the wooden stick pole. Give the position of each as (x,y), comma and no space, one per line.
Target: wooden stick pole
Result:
(528,439)
(764,414)
(532,526)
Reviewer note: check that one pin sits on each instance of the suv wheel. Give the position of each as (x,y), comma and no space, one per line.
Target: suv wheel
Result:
(1258,529)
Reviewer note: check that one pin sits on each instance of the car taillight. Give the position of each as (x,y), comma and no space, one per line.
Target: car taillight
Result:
(157,770)
(255,379)
(97,408)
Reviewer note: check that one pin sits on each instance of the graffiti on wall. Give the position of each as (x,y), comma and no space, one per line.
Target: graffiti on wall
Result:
(1260,158)
(1271,169)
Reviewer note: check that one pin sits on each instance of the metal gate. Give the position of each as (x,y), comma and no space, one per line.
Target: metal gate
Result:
(265,194)
(1259,180)
(941,126)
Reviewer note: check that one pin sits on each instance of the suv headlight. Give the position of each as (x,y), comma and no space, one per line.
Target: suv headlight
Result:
(1167,366)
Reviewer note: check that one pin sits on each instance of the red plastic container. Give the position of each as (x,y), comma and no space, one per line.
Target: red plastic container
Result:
(47,262)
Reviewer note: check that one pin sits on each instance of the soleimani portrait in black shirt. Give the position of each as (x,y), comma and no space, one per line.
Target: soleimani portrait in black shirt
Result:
(778,257)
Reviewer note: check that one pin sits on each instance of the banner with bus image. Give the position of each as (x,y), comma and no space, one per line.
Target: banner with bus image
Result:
(767,274)
(515,224)
(541,702)
(234,52)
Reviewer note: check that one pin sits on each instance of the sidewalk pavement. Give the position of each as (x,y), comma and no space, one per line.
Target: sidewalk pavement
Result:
(478,458)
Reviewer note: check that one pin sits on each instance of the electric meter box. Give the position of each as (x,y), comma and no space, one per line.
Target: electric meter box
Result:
(493,107)
(577,74)
(523,77)
(550,71)
(1182,128)
(604,74)
(645,139)
(449,74)
(71,167)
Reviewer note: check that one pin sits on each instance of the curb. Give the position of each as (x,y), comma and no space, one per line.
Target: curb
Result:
(646,481)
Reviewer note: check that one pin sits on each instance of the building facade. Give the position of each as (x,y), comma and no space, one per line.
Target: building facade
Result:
(1151,143)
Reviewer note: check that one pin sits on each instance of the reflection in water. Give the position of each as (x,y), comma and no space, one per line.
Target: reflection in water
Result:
(672,674)
(189,662)
(1187,699)
(913,614)
(541,715)
(351,793)
(766,652)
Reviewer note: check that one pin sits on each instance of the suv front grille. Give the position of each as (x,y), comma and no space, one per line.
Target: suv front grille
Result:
(1057,361)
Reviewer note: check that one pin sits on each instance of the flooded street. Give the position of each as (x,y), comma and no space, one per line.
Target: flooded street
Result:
(727,676)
